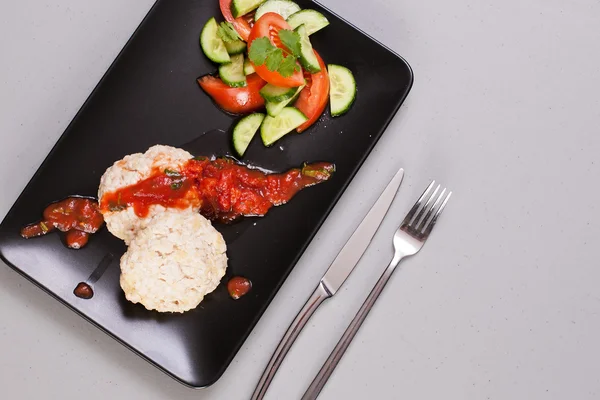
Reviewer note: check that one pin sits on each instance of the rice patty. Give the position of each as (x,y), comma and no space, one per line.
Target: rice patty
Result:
(173,262)
(130,170)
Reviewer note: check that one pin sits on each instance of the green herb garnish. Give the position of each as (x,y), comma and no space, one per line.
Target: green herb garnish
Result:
(227,32)
(259,50)
(225,159)
(291,40)
(274,59)
(116,207)
(288,67)
(320,173)
(44,227)
(200,158)
(176,185)
(262,52)
(170,172)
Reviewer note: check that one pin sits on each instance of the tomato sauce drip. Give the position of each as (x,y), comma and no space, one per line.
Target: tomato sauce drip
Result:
(238,287)
(77,216)
(222,189)
(83,291)
(76,239)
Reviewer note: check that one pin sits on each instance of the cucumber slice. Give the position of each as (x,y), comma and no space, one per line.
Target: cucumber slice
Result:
(277,94)
(235,47)
(342,90)
(274,128)
(212,45)
(308,59)
(285,8)
(242,7)
(248,67)
(313,20)
(245,130)
(273,109)
(233,73)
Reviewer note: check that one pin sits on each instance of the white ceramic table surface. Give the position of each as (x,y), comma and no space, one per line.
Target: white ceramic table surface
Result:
(502,303)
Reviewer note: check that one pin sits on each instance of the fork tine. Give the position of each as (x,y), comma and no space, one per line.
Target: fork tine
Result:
(429,227)
(417,221)
(430,210)
(416,207)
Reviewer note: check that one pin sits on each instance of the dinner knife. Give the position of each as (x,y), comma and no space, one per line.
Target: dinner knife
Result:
(333,279)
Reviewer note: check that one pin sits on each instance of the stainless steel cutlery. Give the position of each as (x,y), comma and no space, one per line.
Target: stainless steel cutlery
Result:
(408,240)
(333,279)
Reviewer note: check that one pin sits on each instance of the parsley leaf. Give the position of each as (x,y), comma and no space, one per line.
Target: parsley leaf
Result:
(259,50)
(170,172)
(263,52)
(274,59)
(291,40)
(288,67)
(227,32)
(116,207)
(176,185)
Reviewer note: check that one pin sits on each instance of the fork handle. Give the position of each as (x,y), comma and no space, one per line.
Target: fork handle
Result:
(319,296)
(338,352)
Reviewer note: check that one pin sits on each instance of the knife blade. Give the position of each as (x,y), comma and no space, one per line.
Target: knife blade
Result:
(348,257)
(334,278)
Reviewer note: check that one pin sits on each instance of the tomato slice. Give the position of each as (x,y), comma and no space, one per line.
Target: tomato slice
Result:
(313,98)
(269,26)
(235,100)
(241,25)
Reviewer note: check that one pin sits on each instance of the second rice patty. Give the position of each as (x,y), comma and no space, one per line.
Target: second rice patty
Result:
(132,169)
(173,262)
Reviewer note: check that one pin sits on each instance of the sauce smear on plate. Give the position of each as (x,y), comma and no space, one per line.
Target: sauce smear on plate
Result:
(223,189)
(238,286)
(79,217)
(83,291)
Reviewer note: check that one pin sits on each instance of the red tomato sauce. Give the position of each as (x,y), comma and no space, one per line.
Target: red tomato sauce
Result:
(83,291)
(223,189)
(79,217)
(238,286)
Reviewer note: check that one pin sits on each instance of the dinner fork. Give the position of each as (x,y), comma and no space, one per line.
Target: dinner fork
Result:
(408,240)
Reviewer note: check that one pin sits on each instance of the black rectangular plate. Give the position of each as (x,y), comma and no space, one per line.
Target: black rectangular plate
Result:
(150,96)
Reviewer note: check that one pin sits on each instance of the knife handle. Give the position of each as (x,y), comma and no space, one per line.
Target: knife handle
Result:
(336,355)
(319,295)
